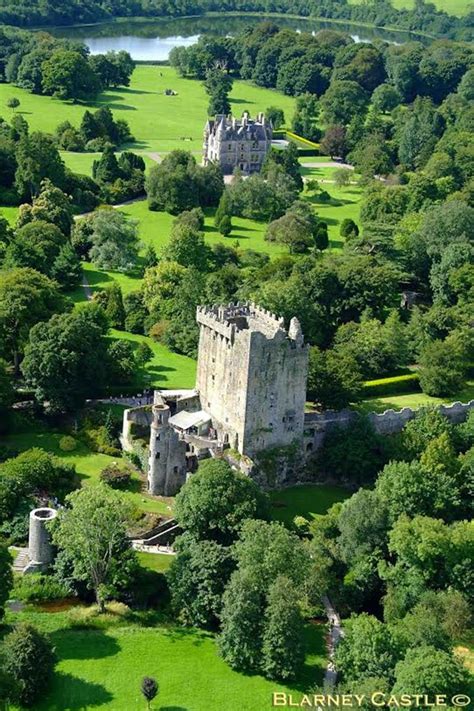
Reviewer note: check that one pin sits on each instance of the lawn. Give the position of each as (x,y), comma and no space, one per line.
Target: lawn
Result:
(414,400)
(452,7)
(88,464)
(307,500)
(158,122)
(10,213)
(104,668)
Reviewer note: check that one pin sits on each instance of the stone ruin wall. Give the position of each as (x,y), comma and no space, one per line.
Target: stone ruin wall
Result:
(317,425)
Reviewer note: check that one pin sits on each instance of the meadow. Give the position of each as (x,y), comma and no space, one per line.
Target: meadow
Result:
(452,7)
(103,668)
(158,122)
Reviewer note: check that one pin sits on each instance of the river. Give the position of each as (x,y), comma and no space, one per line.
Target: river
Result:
(153,40)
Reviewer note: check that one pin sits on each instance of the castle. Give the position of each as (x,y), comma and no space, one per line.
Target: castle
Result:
(237,143)
(248,405)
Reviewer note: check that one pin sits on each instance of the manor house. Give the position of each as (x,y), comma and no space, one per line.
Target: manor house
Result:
(237,143)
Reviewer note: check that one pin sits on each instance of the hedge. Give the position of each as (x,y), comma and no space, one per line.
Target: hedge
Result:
(392,386)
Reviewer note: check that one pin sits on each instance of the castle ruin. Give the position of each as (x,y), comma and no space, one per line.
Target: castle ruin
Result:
(237,143)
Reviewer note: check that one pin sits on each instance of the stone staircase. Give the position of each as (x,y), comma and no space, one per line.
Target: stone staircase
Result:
(21,561)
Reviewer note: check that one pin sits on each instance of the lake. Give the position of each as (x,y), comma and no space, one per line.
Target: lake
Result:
(153,40)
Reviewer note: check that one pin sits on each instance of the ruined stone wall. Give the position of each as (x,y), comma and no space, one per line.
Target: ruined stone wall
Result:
(317,425)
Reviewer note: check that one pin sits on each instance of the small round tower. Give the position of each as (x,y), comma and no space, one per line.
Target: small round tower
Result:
(40,549)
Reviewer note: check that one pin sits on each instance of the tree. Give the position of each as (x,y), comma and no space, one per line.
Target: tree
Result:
(13,103)
(275,116)
(35,245)
(282,644)
(187,246)
(442,368)
(266,550)
(334,141)
(149,689)
(216,501)
(37,158)
(66,358)
(172,185)
(334,379)
(68,75)
(321,238)
(26,297)
(106,169)
(348,229)
(305,118)
(92,534)
(343,100)
(114,240)
(385,98)
(6,577)
(240,641)
(143,354)
(225,226)
(426,670)
(197,579)
(28,657)
(292,230)
(363,526)
(50,205)
(114,310)
(366,650)
(218,85)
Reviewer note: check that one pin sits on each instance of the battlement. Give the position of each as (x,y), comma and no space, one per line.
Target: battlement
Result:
(231,319)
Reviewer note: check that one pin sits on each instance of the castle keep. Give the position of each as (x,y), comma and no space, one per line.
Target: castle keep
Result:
(249,395)
(237,143)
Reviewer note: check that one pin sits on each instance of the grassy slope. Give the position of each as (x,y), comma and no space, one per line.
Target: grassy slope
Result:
(158,122)
(88,464)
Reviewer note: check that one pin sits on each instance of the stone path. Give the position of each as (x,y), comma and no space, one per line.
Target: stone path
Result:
(327,164)
(335,634)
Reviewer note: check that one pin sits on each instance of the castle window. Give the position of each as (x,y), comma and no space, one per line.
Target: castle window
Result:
(229,147)
(175,470)
(213,378)
(309,447)
(157,455)
(157,437)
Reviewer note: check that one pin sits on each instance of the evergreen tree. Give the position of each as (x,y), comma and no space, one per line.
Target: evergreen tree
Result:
(106,169)
(224,209)
(282,650)
(115,310)
(225,226)
(149,689)
(321,237)
(6,576)
(89,128)
(110,429)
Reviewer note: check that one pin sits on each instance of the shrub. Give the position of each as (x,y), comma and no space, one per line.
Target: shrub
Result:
(28,657)
(39,588)
(115,476)
(67,444)
(91,618)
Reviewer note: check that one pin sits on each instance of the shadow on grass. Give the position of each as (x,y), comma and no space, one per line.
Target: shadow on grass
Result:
(177,634)
(84,644)
(314,638)
(69,693)
(172,708)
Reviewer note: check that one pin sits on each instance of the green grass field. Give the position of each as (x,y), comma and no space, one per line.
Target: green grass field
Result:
(103,669)
(158,122)
(308,500)
(414,400)
(88,464)
(452,7)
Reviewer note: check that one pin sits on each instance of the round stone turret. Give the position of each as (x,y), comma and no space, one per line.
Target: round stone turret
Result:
(40,549)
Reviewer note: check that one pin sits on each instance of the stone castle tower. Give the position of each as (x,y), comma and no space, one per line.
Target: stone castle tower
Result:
(167,462)
(237,143)
(251,376)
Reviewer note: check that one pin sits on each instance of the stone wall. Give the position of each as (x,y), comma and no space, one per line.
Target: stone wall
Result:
(317,425)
